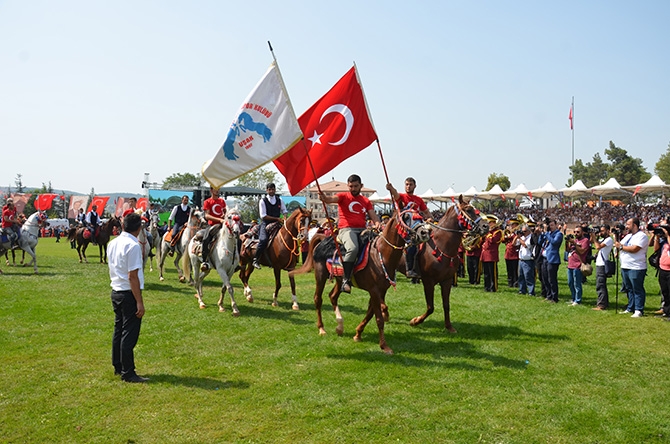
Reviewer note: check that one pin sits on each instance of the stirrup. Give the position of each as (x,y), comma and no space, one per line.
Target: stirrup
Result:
(346,286)
(256,264)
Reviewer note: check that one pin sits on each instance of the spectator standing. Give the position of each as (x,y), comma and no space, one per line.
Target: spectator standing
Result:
(661,242)
(552,259)
(604,243)
(526,262)
(577,247)
(633,253)
(511,242)
(490,255)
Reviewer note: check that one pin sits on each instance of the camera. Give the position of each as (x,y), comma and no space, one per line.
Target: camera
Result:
(570,237)
(658,229)
(519,232)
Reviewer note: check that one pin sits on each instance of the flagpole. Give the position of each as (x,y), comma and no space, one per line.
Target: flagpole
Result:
(572,128)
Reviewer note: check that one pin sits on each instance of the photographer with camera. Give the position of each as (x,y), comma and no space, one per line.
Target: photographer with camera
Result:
(661,243)
(511,241)
(633,253)
(577,246)
(602,240)
(551,253)
(526,262)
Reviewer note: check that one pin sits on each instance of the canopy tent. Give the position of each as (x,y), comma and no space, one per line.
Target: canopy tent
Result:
(429,195)
(447,196)
(376,198)
(545,191)
(471,192)
(517,192)
(653,185)
(576,189)
(609,188)
(494,193)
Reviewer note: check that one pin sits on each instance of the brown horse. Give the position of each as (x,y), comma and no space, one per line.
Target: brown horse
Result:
(438,260)
(102,239)
(376,277)
(281,254)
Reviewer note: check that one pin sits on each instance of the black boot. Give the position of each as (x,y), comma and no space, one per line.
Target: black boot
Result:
(205,255)
(409,262)
(346,281)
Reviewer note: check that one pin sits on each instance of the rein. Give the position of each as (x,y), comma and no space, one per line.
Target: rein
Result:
(295,249)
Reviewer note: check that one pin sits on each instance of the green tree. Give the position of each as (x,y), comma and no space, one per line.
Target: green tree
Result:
(178,181)
(257,178)
(498,179)
(662,167)
(625,169)
(592,173)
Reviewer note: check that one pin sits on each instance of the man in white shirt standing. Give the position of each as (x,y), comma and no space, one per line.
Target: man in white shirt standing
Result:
(124,255)
(604,244)
(633,254)
(526,262)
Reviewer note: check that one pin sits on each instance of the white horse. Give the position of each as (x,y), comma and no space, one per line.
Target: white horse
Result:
(224,256)
(196,220)
(156,240)
(28,239)
(143,239)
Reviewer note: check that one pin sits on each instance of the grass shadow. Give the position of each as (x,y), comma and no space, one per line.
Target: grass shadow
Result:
(198,382)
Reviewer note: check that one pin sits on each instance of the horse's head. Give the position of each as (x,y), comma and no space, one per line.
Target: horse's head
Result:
(42,218)
(304,218)
(470,220)
(197,218)
(412,227)
(234,221)
(115,222)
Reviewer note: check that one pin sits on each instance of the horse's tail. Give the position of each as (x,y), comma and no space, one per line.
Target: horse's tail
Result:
(309,262)
(186,259)
(72,234)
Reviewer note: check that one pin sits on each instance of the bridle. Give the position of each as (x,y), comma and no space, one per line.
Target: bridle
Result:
(302,228)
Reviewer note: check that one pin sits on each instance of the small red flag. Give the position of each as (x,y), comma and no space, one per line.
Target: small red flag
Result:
(44,201)
(100,202)
(570,117)
(336,127)
(637,189)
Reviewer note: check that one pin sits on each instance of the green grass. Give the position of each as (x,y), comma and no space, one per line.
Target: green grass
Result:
(518,370)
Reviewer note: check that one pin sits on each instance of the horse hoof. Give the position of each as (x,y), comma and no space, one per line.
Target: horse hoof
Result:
(322,332)
(275,304)
(250,299)
(221,310)
(414,322)
(236,314)
(357,338)
(387,351)
(182,279)
(161,278)
(295,306)
(339,329)
(451,330)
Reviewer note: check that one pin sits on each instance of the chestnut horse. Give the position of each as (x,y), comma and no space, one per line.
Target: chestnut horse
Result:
(376,277)
(281,254)
(437,260)
(102,239)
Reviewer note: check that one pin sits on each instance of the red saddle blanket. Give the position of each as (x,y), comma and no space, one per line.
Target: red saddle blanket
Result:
(335,265)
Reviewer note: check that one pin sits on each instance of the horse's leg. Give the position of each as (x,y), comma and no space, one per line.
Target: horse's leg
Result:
(294,297)
(161,261)
(102,261)
(23,258)
(245,272)
(180,272)
(446,292)
(277,273)
(429,293)
(375,307)
(233,305)
(318,296)
(83,252)
(334,296)
(32,254)
(199,277)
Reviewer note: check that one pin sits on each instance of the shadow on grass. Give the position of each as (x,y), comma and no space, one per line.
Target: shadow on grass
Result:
(281,313)
(197,382)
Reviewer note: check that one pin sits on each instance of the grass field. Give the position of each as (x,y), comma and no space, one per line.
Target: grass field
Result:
(518,370)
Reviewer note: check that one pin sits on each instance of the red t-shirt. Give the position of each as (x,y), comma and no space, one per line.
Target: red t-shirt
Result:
(352,210)
(215,207)
(419,204)
(7,212)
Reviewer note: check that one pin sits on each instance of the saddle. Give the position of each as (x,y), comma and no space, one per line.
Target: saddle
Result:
(334,263)
(173,241)
(272,229)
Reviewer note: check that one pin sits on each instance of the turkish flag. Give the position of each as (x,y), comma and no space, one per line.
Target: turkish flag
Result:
(142,203)
(100,202)
(43,201)
(570,117)
(336,127)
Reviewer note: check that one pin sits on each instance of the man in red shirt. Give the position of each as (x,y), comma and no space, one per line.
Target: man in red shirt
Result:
(405,199)
(215,210)
(490,255)
(352,207)
(9,220)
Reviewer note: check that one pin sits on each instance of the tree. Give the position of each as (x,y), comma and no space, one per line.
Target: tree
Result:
(181,180)
(591,174)
(662,167)
(498,179)
(626,169)
(258,178)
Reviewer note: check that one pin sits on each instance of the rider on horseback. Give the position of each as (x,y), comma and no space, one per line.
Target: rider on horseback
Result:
(351,223)
(81,218)
(215,211)
(178,218)
(271,208)
(10,222)
(92,222)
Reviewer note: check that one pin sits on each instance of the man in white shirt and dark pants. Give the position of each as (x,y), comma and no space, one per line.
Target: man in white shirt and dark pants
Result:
(604,244)
(633,254)
(124,255)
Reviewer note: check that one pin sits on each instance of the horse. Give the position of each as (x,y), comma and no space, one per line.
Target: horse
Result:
(224,256)
(143,240)
(375,276)
(102,239)
(28,239)
(438,260)
(156,240)
(281,254)
(196,221)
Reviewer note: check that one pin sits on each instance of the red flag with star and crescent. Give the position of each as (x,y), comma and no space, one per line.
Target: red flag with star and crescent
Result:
(100,202)
(44,201)
(336,127)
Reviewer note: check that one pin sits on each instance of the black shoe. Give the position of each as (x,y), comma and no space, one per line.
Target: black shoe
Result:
(346,286)
(135,379)
(256,265)
(412,274)
(117,372)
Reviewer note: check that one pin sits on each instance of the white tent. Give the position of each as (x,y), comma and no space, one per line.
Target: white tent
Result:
(545,191)
(429,195)
(653,185)
(447,195)
(471,192)
(576,189)
(494,193)
(376,198)
(517,192)
(609,188)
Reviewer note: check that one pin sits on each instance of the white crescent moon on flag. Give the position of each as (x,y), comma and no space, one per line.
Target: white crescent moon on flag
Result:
(352,205)
(348,119)
(216,209)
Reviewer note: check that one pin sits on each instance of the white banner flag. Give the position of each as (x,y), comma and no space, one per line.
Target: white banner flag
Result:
(264,128)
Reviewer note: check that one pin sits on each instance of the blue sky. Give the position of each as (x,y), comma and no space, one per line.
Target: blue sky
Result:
(95,94)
